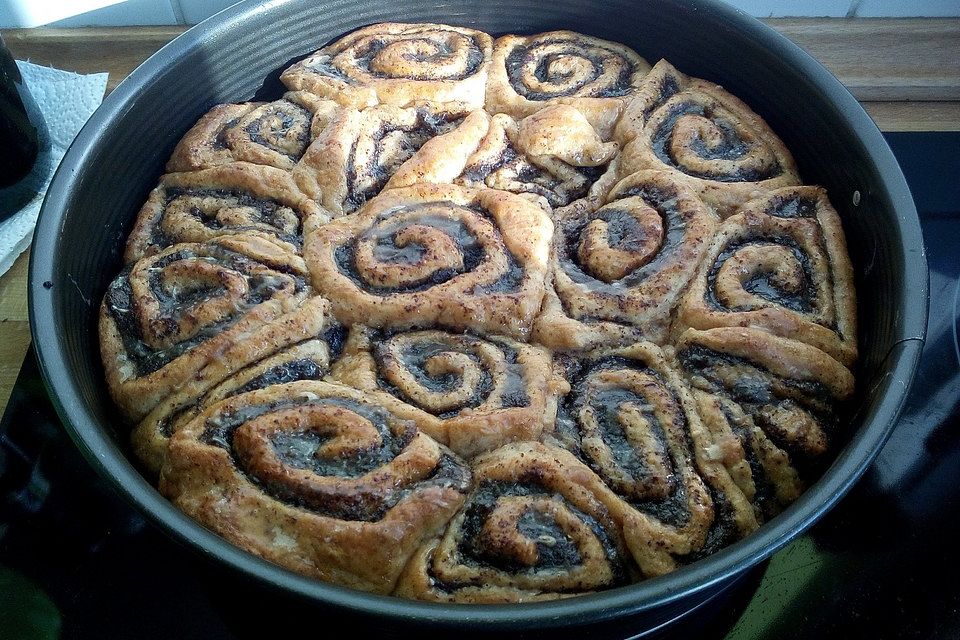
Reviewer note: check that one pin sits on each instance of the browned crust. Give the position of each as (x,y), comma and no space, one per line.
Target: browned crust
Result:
(361,90)
(601,112)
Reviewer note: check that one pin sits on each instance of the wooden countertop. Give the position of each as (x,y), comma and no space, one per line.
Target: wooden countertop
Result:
(905,72)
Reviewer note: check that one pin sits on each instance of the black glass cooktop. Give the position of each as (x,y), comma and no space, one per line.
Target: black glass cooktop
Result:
(77,562)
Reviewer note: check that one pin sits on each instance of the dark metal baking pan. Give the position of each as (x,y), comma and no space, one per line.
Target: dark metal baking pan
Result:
(238,53)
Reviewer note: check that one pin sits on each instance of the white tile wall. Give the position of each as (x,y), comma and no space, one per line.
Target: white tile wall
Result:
(904,8)
(79,13)
(74,13)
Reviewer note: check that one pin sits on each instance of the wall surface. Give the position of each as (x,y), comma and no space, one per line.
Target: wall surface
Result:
(81,13)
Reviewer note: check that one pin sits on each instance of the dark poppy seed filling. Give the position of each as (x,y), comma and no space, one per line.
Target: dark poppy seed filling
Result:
(765,497)
(656,490)
(722,532)
(271,134)
(415,353)
(764,285)
(595,54)
(291,371)
(764,396)
(220,141)
(555,550)
(792,207)
(560,183)
(300,447)
(126,312)
(667,88)
(282,222)
(732,147)
(388,250)
(625,232)
(335,337)
(301,369)
(473,58)
(378,170)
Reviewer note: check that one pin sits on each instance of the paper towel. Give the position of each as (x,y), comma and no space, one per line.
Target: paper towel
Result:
(66,100)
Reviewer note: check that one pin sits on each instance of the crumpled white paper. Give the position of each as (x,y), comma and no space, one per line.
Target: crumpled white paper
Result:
(66,101)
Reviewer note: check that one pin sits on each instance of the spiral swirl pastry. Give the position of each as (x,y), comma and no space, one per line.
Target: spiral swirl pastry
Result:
(239,198)
(662,83)
(307,360)
(619,270)
(435,256)
(273,133)
(712,141)
(482,322)
(193,313)
(398,64)
(770,405)
(562,67)
(630,417)
(538,525)
(360,150)
(474,393)
(780,264)
(554,154)
(320,478)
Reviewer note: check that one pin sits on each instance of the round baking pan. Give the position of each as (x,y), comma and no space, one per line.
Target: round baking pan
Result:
(238,54)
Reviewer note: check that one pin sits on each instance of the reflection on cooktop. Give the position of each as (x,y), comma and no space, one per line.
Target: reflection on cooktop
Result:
(76,559)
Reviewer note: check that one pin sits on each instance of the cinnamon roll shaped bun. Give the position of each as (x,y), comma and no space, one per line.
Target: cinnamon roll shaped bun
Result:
(243,198)
(706,138)
(630,417)
(358,153)
(475,393)
(435,256)
(619,270)
(769,404)
(780,264)
(562,67)
(273,133)
(193,313)
(554,154)
(328,481)
(538,525)
(307,360)
(398,64)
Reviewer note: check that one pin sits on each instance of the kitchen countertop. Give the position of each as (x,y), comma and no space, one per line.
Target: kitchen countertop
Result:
(905,72)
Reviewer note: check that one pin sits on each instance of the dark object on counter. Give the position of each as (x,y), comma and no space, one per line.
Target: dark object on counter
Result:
(23,140)
(115,160)
(18,136)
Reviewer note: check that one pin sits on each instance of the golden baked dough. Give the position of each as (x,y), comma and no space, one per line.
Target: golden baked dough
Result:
(329,481)
(483,322)
(308,360)
(619,270)
(166,318)
(398,64)
(538,525)
(360,150)
(475,393)
(199,206)
(706,137)
(562,67)
(631,418)
(554,154)
(273,133)
(780,264)
(769,405)
(435,255)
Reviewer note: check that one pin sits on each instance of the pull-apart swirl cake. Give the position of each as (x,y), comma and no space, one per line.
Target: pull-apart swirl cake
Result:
(482,320)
